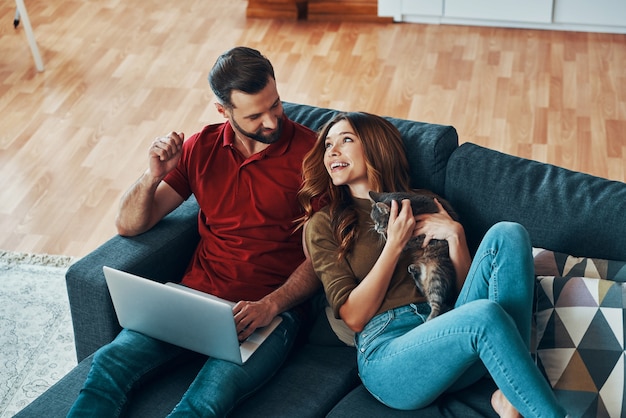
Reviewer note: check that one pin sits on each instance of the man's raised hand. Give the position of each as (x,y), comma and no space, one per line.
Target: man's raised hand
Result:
(165,152)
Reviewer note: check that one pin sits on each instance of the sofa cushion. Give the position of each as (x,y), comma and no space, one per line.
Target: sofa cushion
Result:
(428,146)
(325,329)
(474,401)
(312,381)
(580,342)
(550,263)
(566,211)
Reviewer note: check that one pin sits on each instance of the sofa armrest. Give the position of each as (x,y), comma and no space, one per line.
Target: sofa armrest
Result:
(161,254)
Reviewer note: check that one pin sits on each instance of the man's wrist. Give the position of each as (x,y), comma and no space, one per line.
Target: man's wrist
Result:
(272,306)
(149,180)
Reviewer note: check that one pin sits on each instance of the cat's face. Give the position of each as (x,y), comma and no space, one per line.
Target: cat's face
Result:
(382,207)
(380,216)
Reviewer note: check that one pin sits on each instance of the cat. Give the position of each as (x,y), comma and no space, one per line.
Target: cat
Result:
(431,268)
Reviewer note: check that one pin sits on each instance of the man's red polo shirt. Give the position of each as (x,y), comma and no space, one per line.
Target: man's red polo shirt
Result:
(248,243)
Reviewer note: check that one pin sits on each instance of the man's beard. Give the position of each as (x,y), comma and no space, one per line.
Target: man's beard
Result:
(258,135)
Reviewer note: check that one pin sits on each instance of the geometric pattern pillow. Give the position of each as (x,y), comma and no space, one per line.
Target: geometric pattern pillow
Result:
(549,263)
(579,331)
(579,335)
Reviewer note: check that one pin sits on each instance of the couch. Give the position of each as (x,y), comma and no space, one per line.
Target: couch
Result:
(568,214)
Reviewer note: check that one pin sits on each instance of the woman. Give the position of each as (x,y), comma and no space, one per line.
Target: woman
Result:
(404,361)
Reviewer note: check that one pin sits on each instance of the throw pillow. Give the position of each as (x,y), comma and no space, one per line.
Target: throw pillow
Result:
(579,331)
(549,263)
(580,343)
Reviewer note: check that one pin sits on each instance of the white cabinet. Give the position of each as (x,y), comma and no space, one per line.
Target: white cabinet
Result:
(427,7)
(576,15)
(504,10)
(596,12)
(428,10)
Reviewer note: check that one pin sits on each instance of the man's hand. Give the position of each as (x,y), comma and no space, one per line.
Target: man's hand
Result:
(164,154)
(150,199)
(301,285)
(252,315)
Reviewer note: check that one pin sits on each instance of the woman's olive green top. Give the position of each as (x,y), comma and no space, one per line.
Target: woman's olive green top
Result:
(340,277)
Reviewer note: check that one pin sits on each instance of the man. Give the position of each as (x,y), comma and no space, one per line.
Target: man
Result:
(245,174)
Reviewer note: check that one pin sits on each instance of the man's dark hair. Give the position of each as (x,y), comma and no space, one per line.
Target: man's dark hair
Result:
(241,68)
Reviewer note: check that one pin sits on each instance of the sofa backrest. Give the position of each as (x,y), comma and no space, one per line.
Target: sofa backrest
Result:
(564,211)
(428,146)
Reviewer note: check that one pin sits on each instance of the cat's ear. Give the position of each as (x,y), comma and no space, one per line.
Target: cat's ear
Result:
(375,196)
(382,207)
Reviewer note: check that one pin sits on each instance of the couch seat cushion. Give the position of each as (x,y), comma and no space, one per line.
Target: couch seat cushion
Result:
(474,401)
(312,381)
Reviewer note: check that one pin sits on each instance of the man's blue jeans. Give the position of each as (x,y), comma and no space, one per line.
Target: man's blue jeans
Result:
(407,363)
(217,388)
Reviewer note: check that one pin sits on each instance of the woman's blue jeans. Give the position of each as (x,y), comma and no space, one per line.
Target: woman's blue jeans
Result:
(219,385)
(407,363)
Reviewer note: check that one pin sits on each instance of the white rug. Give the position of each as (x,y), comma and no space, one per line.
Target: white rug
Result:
(36,336)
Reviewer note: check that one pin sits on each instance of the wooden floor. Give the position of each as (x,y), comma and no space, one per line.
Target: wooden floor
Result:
(118,73)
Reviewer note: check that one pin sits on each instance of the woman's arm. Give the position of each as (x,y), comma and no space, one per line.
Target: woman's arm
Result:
(460,256)
(367,297)
(442,227)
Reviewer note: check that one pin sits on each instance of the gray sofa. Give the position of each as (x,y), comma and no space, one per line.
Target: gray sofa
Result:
(564,211)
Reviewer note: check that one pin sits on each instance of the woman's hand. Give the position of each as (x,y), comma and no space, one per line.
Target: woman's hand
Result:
(441,226)
(401,226)
(438,226)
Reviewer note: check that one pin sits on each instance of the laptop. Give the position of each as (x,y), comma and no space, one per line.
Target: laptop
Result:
(181,316)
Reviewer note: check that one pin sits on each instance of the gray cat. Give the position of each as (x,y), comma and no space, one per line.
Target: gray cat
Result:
(431,268)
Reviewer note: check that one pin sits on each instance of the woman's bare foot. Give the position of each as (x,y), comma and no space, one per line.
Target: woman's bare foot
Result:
(502,406)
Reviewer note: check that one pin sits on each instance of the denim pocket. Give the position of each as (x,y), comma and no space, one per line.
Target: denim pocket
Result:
(394,323)
(372,330)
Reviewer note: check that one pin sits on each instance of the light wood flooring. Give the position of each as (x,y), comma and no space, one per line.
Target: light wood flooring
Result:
(118,73)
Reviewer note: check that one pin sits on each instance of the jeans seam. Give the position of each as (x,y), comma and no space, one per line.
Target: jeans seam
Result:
(506,375)
(493,277)
(423,342)
(489,252)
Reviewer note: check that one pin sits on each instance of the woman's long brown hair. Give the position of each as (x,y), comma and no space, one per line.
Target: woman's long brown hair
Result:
(387,170)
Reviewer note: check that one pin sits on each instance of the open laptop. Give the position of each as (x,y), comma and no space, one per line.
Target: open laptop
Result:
(181,316)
